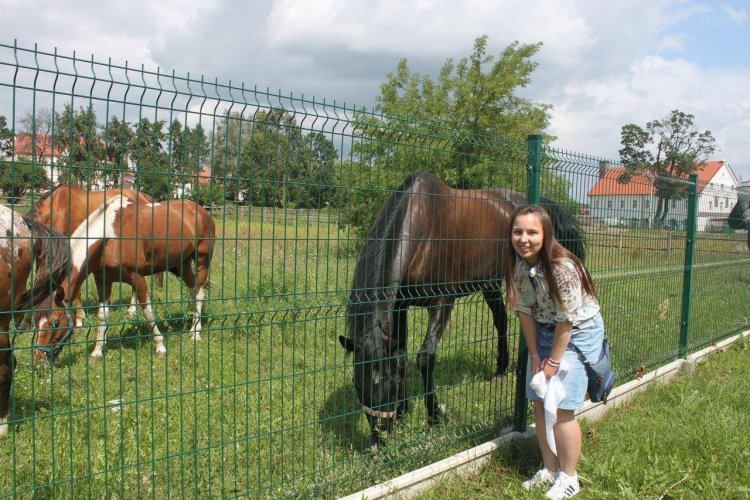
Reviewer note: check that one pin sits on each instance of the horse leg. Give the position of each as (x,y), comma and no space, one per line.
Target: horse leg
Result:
(133,301)
(6,376)
(138,283)
(197,292)
(439,316)
(399,320)
(80,313)
(104,289)
(494,299)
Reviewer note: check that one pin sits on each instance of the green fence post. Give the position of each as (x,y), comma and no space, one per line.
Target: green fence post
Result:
(533,178)
(687,279)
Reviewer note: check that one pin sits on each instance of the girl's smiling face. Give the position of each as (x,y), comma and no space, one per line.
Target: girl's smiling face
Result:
(528,237)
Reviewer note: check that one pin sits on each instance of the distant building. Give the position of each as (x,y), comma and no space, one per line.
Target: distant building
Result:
(634,202)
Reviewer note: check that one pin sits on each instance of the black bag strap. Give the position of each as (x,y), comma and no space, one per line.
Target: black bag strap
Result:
(582,357)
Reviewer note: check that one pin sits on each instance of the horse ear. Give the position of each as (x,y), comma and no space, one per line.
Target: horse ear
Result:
(59,295)
(346,343)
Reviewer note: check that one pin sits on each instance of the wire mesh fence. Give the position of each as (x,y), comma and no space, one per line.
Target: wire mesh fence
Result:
(264,402)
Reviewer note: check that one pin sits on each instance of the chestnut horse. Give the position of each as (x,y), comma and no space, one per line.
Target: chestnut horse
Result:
(23,240)
(123,241)
(66,207)
(430,245)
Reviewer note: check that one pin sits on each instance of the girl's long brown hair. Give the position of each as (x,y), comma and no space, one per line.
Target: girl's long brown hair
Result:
(552,252)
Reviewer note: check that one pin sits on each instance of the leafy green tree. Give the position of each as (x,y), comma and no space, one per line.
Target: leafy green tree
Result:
(208,194)
(476,96)
(118,135)
(315,181)
(666,149)
(468,127)
(152,162)
(6,138)
(83,152)
(19,177)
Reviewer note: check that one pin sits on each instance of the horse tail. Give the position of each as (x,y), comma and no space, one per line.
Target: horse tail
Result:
(567,228)
(383,261)
(52,252)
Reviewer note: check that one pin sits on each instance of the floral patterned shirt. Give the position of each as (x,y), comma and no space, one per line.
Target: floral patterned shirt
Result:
(535,298)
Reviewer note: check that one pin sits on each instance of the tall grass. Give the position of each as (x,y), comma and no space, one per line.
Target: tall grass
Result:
(264,404)
(681,440)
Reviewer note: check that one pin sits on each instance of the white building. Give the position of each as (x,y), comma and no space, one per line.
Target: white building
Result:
(618,200)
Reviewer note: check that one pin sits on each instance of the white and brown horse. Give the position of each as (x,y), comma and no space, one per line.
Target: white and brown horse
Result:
(66,207)
(23,240)
(123,241)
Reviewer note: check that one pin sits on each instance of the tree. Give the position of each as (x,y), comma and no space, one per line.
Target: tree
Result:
(6,138)
(118,135)
(20,176)
(468,98)
(152,162)
(39,127)
(666,150)
(469,127)
(83,152)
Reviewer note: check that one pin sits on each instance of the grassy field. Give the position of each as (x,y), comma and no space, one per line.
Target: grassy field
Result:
(681,440)
(264,403)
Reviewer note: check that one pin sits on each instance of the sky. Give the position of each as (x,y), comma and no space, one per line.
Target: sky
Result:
(602,64)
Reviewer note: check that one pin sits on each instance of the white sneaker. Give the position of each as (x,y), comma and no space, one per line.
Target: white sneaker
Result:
(542,476)
(565,486)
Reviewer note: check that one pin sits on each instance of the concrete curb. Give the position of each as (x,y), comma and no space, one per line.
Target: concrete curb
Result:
(466,461)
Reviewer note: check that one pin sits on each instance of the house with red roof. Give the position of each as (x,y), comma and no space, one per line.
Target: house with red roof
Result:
(630,200)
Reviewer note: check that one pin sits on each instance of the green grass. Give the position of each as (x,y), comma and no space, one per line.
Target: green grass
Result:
(685,439)
(264,403)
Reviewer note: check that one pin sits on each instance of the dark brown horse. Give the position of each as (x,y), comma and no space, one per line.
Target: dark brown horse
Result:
(739,217)
(123,241)
(430,245)
(66,207)
(22,241)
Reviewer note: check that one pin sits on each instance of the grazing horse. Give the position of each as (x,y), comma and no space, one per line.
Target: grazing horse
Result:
(739,217)
(66,207)
(123,241)
(430,245)
(23,240)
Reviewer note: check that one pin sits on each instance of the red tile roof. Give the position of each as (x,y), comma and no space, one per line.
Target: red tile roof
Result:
(43,145)
(609,184)
(641,184)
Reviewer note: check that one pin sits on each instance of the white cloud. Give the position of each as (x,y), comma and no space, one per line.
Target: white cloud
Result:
(600,65)
(738,16)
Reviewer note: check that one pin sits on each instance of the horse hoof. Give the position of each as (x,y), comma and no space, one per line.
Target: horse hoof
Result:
(496,377)
(131,313)
(95,355)
(196,336)
(161,350)
(440,415)
(3,427)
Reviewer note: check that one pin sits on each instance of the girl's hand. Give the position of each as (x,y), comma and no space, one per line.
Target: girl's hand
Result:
(536,365)
(548,369)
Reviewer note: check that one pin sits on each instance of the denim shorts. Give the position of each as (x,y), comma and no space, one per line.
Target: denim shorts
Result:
(588,337)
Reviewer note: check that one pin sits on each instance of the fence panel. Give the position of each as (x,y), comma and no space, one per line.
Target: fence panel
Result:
(264,403)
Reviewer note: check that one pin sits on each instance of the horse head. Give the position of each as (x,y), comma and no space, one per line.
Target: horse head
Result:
(54,326)
(379,368)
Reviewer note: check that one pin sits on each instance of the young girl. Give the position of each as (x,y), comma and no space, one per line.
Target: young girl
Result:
(553,295)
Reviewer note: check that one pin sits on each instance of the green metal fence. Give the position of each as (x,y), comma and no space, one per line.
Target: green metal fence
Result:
(264,403)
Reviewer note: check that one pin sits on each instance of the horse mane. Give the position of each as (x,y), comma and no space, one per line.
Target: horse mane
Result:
(34,212)
(739,217)
(370,272)
(52,251)
(568,230)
